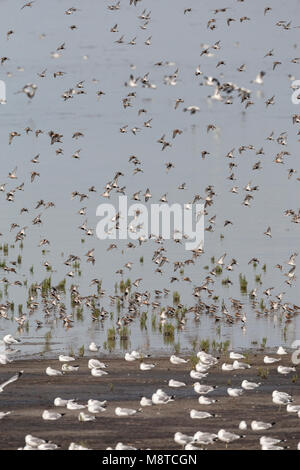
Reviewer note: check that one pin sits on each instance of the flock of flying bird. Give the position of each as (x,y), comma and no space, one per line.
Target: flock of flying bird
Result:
(52,303)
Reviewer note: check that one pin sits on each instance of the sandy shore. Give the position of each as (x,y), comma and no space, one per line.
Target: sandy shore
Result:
(155,426)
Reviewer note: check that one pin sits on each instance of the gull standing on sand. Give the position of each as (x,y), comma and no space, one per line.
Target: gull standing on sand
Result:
(281,398)
(261,426)
(85,417)
(63,358)
(269,441)
(226,436)
(72,405)
(146,401)
(270,360)
(202,367)
(95,364)
(292,408)
(125,411)
(241,365)
(285,370)
(182,439)
(51,415)
(176,383)
(250,385)
(95,407)
(203,389)
(197,375)
(161,398)
(61,402)
(236,356)
(33,441)
(144,366)
(235,392)
(243,425)
(74,446)
(227,367)
(53,372)
(281,351)
(194,414)
(204,438)
(203,400)
(99,403)
(177,360)
(48,446)
(68,368)
(121,446)
(98,372)
(207,359)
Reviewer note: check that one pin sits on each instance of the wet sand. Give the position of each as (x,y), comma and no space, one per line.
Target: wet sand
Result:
(154,427)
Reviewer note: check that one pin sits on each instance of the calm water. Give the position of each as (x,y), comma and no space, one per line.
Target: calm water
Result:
(91,53)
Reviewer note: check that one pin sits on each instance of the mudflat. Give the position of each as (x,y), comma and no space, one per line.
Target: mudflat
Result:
(154,426)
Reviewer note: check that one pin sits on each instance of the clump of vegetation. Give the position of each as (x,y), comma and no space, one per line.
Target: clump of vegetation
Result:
(46,286)
(220,347)
(141,259)
(143,321)
(48,336)
(218,270)
(263,343)
(81,351)
(79,313)
(153,322)
(177,348)
(122,286)
(176,298)
(243,284)
(263,372)
(61,286)
(124,337)
(168,332)
(76,265)
(194,360)
(204,345)
(168,329)
(111,334)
